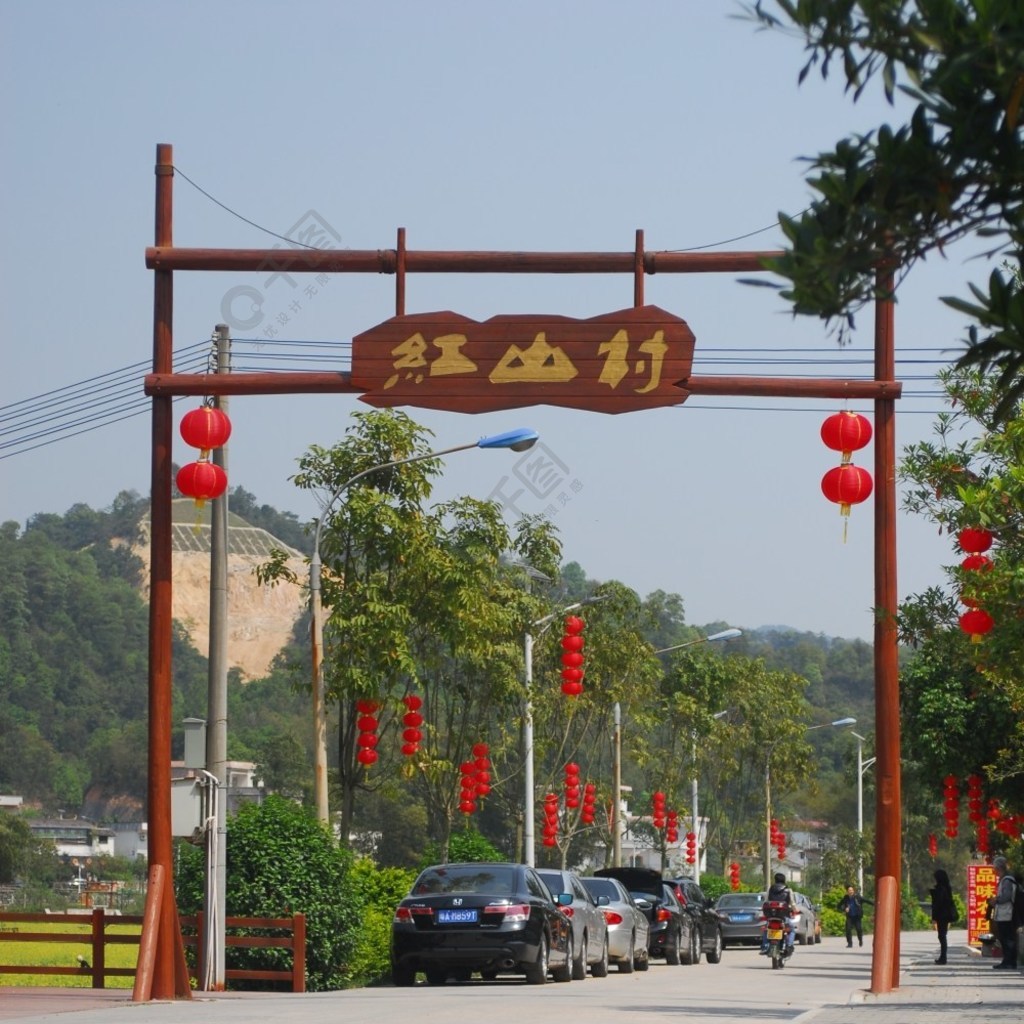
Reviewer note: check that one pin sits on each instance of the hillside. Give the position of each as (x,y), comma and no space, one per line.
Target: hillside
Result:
(260,618)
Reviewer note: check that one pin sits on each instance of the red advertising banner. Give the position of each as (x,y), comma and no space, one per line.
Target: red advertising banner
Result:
(981,885)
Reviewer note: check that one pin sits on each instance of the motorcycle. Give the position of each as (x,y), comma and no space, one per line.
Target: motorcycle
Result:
(777,923)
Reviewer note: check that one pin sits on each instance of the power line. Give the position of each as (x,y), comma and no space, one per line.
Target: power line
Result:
(115,396)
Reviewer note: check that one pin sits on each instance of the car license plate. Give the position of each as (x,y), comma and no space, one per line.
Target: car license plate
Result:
(743,917)
(467,916)
(774,933)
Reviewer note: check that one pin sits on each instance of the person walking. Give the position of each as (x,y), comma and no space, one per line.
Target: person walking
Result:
(943,910)
(852,905)
(1002,914)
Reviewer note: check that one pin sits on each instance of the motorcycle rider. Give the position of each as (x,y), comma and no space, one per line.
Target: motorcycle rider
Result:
(779,892)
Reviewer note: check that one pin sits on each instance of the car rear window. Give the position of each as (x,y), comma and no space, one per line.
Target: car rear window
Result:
(465,879)
(602,887)
(750,899)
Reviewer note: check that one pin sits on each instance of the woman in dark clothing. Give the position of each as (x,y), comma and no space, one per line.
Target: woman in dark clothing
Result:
(943,910)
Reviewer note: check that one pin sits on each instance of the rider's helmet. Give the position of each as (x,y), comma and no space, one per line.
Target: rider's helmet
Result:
(780,877)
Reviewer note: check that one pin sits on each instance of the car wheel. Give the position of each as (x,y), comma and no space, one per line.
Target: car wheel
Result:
(463,974)
(403,977)
(698,946)
(804,939)
(579,964)
(489,975)
(563,972)
(435,976)
(628,962)
(599,969)
(537,972)
(643,962)
(715,954)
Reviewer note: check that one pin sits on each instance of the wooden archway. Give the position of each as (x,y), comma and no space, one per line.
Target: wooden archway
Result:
(169,979)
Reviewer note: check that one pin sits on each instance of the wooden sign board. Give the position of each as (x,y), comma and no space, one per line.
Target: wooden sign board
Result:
(633,359)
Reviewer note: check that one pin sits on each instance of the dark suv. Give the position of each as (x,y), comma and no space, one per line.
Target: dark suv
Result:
(671,929)
(706,928)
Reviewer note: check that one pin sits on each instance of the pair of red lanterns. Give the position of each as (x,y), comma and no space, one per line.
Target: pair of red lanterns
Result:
(691,848)
(846,484)
(659,809)
(204,428)
(672,827)
(572,656)
(974,542)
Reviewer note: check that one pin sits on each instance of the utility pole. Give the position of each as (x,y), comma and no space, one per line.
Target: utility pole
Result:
(217,704)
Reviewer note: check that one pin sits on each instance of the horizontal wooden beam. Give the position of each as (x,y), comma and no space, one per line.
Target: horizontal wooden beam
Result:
(385,261)
(340,382)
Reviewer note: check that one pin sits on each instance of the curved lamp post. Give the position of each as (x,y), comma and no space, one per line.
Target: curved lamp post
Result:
(768,794)
(862,767)
(725,634)
(518,441)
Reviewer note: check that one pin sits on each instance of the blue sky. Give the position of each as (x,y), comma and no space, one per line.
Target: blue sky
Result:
(556,125)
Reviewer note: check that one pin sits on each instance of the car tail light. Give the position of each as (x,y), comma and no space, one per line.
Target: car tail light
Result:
(567,911)
(406,914)
(663,915)
(510,911)
(612,917)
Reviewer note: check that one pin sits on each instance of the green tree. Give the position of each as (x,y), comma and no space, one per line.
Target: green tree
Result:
(281,861)
(951,171)
(964,701)
(15,846)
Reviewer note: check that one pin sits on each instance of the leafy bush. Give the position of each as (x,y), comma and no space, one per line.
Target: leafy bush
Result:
(281,861)
(714,886)
(463,846)
(381,889)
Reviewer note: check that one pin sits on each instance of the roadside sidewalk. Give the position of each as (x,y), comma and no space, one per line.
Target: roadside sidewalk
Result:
(964,991)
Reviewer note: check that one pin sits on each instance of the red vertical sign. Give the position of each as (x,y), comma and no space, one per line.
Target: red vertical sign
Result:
(981,885)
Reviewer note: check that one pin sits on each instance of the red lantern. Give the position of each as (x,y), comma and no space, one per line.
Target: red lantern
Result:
(574,624)
(734,876)
(367,707)
(366,756)
(976,623)
(205,428)
(846,485)
(412,702)
(974,540)
(201,481)
(976,563)
(691,848)
(572,642)
(366,723)
(480,750)
(933,846)
(846,432)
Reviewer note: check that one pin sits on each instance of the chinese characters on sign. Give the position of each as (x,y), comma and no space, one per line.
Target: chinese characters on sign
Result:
(618,362)
(981,886)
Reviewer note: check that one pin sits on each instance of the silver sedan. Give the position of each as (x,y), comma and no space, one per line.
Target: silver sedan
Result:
(628,928)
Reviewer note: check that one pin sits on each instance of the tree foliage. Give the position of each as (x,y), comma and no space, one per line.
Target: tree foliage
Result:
(952,171)
(963,702)
(281,861)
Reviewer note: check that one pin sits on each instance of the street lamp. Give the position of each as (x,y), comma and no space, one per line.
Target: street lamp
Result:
(862,767)
(768,794)
(529,849)
(518,441)
(725,634)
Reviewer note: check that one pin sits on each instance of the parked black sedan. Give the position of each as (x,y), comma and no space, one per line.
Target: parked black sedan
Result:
(706,933)
(671,929)
(493,918)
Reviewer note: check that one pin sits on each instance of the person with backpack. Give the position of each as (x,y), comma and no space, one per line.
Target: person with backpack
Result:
(779,892)
(1003,914)
(944,911)
(852,905)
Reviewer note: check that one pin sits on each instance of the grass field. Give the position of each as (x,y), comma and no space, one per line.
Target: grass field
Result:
(62,953)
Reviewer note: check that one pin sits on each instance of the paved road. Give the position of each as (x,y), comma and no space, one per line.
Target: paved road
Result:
(824,984)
